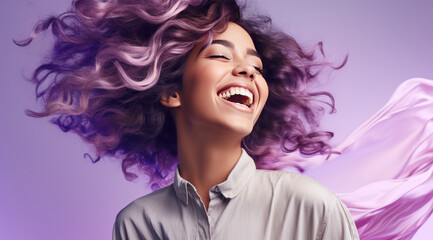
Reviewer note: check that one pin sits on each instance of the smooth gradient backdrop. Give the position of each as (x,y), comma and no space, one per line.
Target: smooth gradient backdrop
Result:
(48,190)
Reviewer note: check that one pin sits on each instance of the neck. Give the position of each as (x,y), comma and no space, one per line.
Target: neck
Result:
(206,158)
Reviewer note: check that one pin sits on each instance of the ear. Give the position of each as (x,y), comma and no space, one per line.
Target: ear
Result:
(172,100)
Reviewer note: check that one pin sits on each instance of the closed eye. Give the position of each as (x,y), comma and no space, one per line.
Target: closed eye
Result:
(258,69)
(226,58)
(219,56)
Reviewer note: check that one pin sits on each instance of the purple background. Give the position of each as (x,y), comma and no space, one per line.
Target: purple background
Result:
(49,191)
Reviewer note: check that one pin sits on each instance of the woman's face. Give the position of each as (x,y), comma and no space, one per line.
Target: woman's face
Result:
(222,84)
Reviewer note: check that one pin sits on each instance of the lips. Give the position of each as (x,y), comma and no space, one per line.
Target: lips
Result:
(240,93)
(237,94)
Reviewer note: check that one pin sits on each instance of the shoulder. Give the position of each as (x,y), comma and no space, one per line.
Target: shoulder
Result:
(294,182)
(139,208)
(297,187)
(304,195)
(143,212)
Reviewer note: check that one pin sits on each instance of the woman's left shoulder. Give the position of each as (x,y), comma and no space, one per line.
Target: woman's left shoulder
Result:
(295,185)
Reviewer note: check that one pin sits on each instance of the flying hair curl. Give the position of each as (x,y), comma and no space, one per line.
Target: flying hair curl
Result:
(113,60)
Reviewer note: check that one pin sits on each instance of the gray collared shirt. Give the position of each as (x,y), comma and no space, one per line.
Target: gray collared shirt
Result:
(250,204)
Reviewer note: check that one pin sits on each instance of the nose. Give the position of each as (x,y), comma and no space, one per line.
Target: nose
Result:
(245,69)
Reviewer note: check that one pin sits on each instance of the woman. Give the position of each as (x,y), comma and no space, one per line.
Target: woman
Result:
(217,192)
(143,82)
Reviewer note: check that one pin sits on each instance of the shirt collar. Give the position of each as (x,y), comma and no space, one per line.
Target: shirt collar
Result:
(230,188)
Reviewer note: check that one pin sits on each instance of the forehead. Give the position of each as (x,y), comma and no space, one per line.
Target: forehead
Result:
(237,35)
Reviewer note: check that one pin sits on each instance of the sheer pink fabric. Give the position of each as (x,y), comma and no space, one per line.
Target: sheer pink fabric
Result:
(398,140)
(385,172)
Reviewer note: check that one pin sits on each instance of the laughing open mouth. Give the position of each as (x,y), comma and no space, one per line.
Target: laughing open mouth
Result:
(237,95)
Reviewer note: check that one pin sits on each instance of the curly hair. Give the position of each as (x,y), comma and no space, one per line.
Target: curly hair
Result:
(112,61)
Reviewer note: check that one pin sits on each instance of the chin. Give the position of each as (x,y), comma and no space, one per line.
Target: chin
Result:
(242,130)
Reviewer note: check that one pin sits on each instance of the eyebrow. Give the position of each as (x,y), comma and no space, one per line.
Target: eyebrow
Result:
(229,44)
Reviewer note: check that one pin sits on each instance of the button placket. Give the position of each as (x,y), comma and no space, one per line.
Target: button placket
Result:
(210,213)
(201,215)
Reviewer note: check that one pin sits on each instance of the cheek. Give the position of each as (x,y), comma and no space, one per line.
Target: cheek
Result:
(264,91)
(198,90)
(204,78)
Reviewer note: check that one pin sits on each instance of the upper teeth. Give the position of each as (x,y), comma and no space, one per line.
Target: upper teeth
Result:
(237,91)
